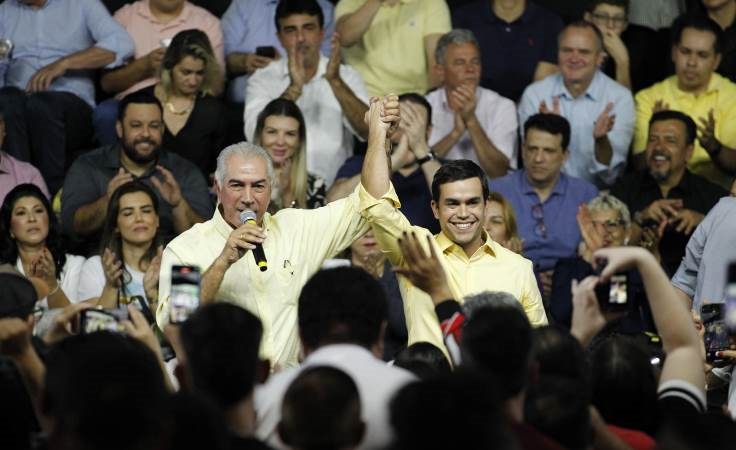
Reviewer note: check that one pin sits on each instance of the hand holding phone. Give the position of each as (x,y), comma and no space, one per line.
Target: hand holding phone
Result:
(185,285)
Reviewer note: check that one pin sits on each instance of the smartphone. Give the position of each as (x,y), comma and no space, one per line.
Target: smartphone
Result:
(267,51)
(184,297)
(716,332)
(98,319)
(614,295)
(730,300)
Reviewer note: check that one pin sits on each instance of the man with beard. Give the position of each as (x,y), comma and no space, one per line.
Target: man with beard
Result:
(666,196)
(94,176)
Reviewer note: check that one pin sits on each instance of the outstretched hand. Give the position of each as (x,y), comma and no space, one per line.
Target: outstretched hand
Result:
(424,271)
(587,319)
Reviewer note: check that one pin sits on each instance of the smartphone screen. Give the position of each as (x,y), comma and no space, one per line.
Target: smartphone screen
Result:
(730,300)
(184,292)
(93,320)
(716,335)
(267,51)
(614,295)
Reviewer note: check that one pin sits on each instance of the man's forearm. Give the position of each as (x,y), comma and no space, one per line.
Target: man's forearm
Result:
(376,173)
(90,217)
(351,27)
(292,92)
(126,76)
(603,150)
(91,58)
(352,107)
(726,159)
(623,73)
(211,281)
(236,64)
(444,145)
(491,159)
(184,217)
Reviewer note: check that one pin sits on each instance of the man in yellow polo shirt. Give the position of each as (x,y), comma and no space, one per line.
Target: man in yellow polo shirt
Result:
(472,261)
(392,42)
(698,91)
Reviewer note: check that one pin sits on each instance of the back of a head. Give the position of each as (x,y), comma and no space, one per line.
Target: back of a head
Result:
(497,339)
(221,342)
(558,353)
(560,409)
(623,385)
(335,425)
(459,411)
(344,305)
(97,382)
(424,360)
(196,423)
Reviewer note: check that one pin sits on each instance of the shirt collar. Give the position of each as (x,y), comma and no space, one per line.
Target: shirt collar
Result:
(145,11)
(685,185)
(714,85)
(523,18)
(112,160)
(224,229)
(445,243)
(321,67)
(559,189)
(594,91)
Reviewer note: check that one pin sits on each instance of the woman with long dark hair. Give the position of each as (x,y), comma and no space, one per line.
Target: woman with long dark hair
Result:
(31,241)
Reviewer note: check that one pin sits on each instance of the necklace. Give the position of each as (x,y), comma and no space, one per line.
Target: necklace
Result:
(173,110)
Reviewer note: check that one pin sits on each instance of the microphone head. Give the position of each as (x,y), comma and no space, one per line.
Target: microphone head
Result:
(246,215)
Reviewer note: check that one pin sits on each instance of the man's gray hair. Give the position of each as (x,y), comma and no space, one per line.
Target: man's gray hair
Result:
(607,201)
(245,150)
(488,299)
(457,37)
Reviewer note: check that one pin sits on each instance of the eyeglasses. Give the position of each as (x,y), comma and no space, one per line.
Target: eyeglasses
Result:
(540,229)
(611,226)
(605,18)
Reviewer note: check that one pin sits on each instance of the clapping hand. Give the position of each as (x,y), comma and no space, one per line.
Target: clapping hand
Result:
(424,271)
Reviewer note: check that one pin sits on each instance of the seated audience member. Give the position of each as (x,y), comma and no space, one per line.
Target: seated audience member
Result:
(220,344)
(193,117)
(423,360)
(723,12)
(49,92)
(470,122)
(151,24)
(342,313)
(632,52)
(14,172)
(129,258)
(281,131)
(695,89)
(413,164)
(545,199)
(248,25)
(458,411)
(500,223)
(338,424)
(666,196)
(31,241)
(518,42)
(459,193)
(391,42)
(180,187)
(331,96)
(600,110)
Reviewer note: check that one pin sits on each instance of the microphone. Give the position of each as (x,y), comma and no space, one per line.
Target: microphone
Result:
(248,216)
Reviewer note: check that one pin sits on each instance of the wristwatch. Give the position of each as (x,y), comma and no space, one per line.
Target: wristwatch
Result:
(426,158)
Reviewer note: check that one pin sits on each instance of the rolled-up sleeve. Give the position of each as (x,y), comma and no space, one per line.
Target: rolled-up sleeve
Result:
(107,33)
(686,277)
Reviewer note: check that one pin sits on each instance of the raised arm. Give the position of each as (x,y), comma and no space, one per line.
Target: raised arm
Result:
(352,26)
(376,175)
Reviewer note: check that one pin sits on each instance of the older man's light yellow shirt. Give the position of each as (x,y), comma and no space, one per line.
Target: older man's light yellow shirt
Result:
(490,268)
(720,97)
(390,55)
(297,242)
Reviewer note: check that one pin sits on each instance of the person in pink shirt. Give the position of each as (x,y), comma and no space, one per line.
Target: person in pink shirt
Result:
(152,24)
(14,172)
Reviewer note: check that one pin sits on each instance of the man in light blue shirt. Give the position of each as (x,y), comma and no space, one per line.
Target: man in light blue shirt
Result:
(600,110)
(47,82)
(249,24)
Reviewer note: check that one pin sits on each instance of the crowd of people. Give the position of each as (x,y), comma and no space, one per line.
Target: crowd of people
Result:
(374,224)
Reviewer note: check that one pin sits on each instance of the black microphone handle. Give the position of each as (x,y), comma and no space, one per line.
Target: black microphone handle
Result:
(260,258)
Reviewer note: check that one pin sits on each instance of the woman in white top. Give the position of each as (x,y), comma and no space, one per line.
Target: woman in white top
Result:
(130,254)
(31,240)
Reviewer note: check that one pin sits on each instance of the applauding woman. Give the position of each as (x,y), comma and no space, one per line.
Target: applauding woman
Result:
(280,130)
(31,241)
(130,259)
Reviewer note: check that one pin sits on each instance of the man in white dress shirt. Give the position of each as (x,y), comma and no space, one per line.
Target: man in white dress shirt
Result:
(332,97)
(470,122)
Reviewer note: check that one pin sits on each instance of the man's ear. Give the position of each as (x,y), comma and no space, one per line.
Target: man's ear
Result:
(119,129)
(435,210)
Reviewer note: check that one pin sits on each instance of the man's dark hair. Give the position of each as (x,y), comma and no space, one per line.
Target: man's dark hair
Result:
(557,407)
(691,129)
(96,382)
(697,22)
(424,360)
(458,170)
(497,340)
(137,98)
(288,8)
(620,3)
(341,305)
(418,100)
(221,343)
(550,123)
(583,24)
(558,353)
(338,423)
(461,411)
